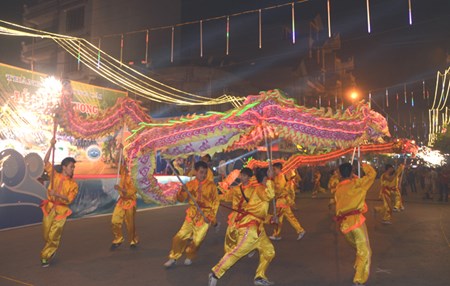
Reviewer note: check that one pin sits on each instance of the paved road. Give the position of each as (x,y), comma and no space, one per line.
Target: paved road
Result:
(415,250)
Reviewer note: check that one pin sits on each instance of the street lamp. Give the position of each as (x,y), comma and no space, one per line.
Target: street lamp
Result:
(354,95)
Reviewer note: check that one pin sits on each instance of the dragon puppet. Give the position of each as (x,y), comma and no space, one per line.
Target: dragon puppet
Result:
(269,115)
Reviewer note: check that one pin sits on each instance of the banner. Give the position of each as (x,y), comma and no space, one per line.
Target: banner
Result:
(26,120)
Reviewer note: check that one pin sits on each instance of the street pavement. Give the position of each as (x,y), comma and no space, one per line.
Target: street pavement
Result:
(413,251)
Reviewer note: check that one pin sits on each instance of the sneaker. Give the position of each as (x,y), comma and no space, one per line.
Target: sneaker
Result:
(133,245)
(301,235)
(273,237)
(395,210)
(170,263)
(262,281)
(251,254)
(217,227)
(45,263)
(114,246)
(187,261)
(386,222)
(212,279)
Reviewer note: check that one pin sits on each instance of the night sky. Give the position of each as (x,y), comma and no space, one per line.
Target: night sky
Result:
(393,53)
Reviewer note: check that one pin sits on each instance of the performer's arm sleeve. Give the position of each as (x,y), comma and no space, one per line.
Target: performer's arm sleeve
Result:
(182,195)
(366,182)
(72,194)
(399,171)
(268,192)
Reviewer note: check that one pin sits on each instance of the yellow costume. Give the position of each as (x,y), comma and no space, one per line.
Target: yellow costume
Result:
(194,228)
(238,202)
(251,233)
(56,210)
(125,210)
(209,175)
(350,205)
(178,168)
(332,183)
(389,186)
(283,195)
(317,187)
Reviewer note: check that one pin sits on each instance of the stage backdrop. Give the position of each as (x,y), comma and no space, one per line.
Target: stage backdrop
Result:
(27,123)
(26,126)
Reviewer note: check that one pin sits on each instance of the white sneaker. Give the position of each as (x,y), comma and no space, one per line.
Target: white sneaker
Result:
(187,262)
(170,263)
(272,237)
(301,235)
(212,281)
(263,282)
(251,254)
(395,210)
(386,222)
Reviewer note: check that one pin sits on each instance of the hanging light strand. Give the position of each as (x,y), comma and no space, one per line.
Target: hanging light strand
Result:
(201,38)
(293,23)
(409,12)
(172,44)
(147,38)
(98,53)
(368,16)
(329,18)
(260,29)
(227,49)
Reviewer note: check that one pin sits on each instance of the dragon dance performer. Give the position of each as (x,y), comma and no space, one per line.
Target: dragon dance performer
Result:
(251,234)
(60,194)
(389,186)
(350,205)
(210,175)
(199,215)
(125,210)
(236,195)
(317,187)
(284,201)
(332,183)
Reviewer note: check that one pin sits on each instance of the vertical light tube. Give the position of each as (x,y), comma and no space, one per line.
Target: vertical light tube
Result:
(79,56)
(260,28)
(228,36)
(409,12)
(293,23)
(121,49)
(99,52)
(147,36)
(329,18)
(172,43)
(368,16)
(387,98)
(201,38)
